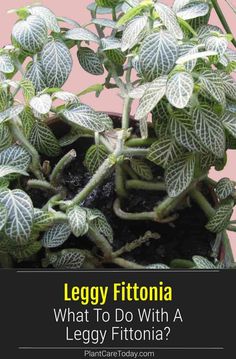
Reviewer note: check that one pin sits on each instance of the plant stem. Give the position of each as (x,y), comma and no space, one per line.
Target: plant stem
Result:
(142,216)
(57,171)
(202,202)
(44,185)
(168,205)
(19,136)
(120,181)
(136,142)
(140,152)
(123,263)
(231,6)
(222,19)
(143,185)
(130,172)
(126,112)
(231,228)
(101,242)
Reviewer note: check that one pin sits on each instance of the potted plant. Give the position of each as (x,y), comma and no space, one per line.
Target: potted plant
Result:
(81,188)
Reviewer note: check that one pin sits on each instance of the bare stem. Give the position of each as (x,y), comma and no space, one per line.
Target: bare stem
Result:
(202,202)
(100,242)
(143,185)
(44,185)
(64,161)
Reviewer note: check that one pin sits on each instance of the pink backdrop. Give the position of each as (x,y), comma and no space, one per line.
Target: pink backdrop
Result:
(79,80)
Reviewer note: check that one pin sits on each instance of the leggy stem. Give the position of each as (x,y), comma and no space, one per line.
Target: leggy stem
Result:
(65,160)
(202,202)
(136,142)
(101,243)
(142,216)
(44,185)
(149,186)
(126,112)
(222,19)
(120,181)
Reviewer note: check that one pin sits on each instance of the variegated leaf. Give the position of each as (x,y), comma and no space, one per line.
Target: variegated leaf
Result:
(56,235)
(179,174)
(3,216)
(94,157)
(208,30)
(20,214)
(139,91)
(157,266)
(229,85)
(98,223)
(47,15)
(77,218)
(229,123)
(221,218)
(83,116)
(218,44)
(31,33)
(6,170)
(169,19)
(187,50)
(164,151)
(3,98)
(28,89)
(158,54)
(153,94)
(116,56)
(203,263)
(41,104)
(5,136)
(179,4)
(209,130)
(4,183)
(42,220)
(104,23)
(27,120)
(212,84)
(105,120)
(82,34)
(107,3)
(16,157)
(35,73)
(224,188)
(43,139)
(25,250)
(142,169)
(133,32)
(193,10)
(67,259)
(110,43)
(90,61)
(179,89)
(57,63)
(143,127)
(6,64)
(11,112)
(194,56)
(65,96)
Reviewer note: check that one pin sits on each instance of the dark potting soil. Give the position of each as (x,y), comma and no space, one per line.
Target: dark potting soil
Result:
(182,238)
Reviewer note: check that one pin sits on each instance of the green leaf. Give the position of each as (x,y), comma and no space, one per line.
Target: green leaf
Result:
(35,73)
(90,61)
(82,34)
(107,3)
(15,156)
(164,151)
(133,32)
(152,95)
(43,139)
(47,15)
(6,64)
(169,19)
(77,217)
(212,84)
(83,116)
(3,216)
(110,43)
(194,10)
(5,136)
(142,169)
(98,88)
(27,120)
(28,89)
(209,130)
(130,14)
(56,235)
(31,33)
(67,259)
(224,188)
(221,218)
(57,63)
(4,183)
(218,44)
(179,174)
(229,123)
(11,112)
(98,223)
(24,251)
(3,98)
(105,120)
(116,56)
(203,263)
(41,104)
(94,157)
(229,85)
(20,214)
(42,220)
(179,89)
(65,96)
(188,49)
(158,54)
(8,170)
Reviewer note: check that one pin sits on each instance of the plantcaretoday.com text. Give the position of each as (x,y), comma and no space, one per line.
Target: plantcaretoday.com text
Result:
(118,354)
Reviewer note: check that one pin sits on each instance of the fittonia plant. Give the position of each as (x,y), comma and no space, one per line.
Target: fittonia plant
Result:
(171,60)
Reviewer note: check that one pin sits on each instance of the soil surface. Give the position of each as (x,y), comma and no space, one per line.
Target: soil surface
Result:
(181,239)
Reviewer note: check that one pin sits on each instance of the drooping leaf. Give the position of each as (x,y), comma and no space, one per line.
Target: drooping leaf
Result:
(218,44)
(77,217)
(43,139)
(203,263)
(90,61)
(193,10)
(82,34)
(224,188)
(209,130)
(158,54)
(31,33)
(94,157)
(56,235)
(57,63)
(5,136)
(229,123)
(98,223)
(20,214)
(11,112)
(27,120)
(221,218)
(164,151)
(35,73)
(67,259)
(28,89)
(83,116)
(132,33)
(179,174)
(169,19)
(179,89)
(47,15)
(152,95)
(41,104)
(6,64)
(142,169)
(212,84)
(3,216)
(42,220)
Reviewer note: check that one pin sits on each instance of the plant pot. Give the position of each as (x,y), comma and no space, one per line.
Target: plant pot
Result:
(225,250)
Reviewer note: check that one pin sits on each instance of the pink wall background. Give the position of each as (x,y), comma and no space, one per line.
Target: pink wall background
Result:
(79,80)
